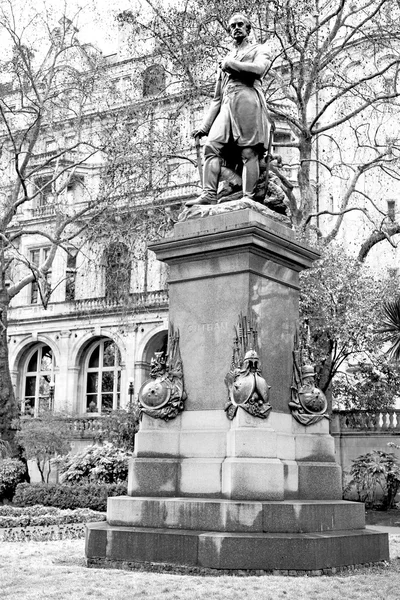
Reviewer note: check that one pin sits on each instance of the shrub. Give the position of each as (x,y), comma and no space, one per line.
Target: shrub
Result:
(373,472)
(103,464)
(12,472)
(120,427)
(42,439)
(93,496)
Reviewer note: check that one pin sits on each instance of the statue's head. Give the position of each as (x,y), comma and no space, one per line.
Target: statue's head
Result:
(239,26)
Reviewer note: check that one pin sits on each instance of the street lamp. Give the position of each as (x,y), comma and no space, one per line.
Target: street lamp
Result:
(52,385)
(131,390)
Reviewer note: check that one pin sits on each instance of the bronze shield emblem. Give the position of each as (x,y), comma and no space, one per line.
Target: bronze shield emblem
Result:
(313,401)
(242,389)
(154,393)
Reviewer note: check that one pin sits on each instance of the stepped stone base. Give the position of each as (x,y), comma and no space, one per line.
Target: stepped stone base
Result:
(233,535)
(249,495)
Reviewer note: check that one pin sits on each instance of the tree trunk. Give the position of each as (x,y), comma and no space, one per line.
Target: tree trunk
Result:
(307,191)
(375,238)
(41,467)
(8,406)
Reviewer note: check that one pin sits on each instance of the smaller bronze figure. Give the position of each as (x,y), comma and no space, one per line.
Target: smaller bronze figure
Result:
(247,387)
(308,403)
(163,395)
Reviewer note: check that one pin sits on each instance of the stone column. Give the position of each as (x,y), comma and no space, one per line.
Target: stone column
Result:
(63,398)
(222,266)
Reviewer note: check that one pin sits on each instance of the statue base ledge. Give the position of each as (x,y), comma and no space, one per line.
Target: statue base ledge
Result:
(207,210)
(159,567)
(115,546)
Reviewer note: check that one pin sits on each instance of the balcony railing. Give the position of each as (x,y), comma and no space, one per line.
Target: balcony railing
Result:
(47,210)
(84,427)
(138,301)
(143,299)
(348,421)
(65,157)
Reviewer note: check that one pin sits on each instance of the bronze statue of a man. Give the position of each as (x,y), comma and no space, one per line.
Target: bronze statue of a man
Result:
(237,122)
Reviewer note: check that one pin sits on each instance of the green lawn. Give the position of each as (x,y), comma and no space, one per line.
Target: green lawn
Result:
(56,570)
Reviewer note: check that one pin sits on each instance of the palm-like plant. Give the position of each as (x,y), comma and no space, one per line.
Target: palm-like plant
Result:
(390,326)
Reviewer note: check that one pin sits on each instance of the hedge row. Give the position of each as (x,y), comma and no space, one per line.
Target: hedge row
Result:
(29,516)
(73,531)
(91,495)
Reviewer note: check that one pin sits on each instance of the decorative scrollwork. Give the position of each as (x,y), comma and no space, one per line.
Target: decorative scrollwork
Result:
(308,403)
(163,395)
(246,386)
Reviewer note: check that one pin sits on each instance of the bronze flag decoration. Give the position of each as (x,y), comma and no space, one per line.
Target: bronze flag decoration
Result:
(246,386)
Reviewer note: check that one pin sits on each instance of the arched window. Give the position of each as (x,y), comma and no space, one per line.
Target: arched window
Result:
(38,381)
(118,271)
(103,377)
(153,80)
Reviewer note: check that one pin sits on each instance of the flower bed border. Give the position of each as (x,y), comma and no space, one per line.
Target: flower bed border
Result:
(43,533)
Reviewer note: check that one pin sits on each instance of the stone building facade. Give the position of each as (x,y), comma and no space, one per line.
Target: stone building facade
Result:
(84,353)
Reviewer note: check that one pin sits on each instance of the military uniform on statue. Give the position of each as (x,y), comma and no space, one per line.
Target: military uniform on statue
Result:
(237,122)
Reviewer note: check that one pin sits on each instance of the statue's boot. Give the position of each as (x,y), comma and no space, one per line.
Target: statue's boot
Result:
(211,175)
(251,172)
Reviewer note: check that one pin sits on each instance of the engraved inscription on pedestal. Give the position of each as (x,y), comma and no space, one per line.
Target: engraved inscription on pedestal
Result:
(247,388)
(163,395)
(308,403)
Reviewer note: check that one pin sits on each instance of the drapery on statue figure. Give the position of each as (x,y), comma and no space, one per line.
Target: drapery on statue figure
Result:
(237,122)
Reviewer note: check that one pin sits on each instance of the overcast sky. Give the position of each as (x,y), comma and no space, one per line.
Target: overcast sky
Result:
(95,19)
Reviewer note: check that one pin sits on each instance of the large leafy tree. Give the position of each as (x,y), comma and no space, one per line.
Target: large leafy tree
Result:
(340,307)
(40,90)
(373,383)
(334,79)
(53,92)
(80,147)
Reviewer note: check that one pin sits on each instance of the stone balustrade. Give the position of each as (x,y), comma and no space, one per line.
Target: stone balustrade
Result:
(46,210)
(145,300)
(80,427)
(348,421)
(87,427)
(183,190)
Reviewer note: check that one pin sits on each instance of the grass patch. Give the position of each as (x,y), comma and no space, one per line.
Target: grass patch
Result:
(56,571)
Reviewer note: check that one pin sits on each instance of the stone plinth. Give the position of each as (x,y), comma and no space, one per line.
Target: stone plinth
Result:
(249,493)
(221,266)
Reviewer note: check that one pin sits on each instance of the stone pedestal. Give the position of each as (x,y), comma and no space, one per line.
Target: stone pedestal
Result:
(247,493)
